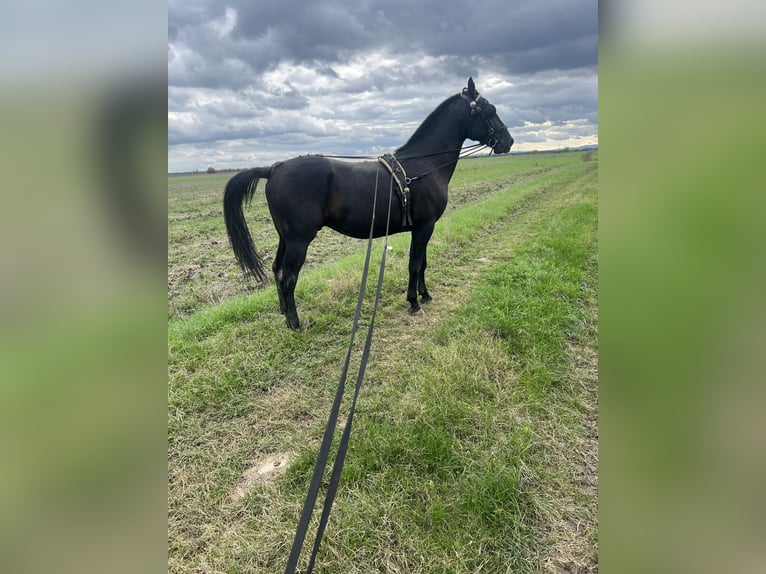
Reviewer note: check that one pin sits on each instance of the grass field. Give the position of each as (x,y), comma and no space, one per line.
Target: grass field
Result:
(474,446)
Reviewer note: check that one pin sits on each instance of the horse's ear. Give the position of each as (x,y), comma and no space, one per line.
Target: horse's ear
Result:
(472,88)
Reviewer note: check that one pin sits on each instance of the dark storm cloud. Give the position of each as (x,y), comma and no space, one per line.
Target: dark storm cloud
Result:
(362,75)
(521,37)
(307,31)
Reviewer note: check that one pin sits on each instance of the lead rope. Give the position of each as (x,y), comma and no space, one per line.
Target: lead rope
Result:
(324,450)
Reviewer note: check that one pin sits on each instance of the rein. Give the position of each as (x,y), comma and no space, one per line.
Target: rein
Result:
(332,421)
(324,451)
(474,149)
(471,150)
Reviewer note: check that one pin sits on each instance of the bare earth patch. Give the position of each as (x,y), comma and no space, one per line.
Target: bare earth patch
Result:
(262,471)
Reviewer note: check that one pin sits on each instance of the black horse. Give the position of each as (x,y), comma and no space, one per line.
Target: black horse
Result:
(309,192)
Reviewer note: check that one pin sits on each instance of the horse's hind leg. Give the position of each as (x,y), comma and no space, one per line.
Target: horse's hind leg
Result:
(294,254)
(276,269)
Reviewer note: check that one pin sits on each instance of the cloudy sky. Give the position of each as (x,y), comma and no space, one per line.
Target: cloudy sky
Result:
(250,83)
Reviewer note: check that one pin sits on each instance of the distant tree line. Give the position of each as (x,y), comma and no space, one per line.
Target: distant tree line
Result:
(214,170)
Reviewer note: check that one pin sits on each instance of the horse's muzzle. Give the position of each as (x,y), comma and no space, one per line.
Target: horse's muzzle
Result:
(504,144)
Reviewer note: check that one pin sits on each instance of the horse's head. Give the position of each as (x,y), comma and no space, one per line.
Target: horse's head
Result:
(485,126)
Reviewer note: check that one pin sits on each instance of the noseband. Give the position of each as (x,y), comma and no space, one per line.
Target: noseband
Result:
(475,107)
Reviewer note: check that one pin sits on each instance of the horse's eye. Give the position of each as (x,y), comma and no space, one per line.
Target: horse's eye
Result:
(489,110)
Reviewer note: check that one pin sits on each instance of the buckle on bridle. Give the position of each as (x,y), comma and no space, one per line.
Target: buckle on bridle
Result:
(475,107)
(472,102)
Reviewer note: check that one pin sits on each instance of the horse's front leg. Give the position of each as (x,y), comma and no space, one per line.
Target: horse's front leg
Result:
(424,296)
(418,263)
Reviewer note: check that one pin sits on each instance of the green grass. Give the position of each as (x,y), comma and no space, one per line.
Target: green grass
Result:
(474,442)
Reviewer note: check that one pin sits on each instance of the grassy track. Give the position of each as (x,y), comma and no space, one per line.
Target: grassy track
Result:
(474,444)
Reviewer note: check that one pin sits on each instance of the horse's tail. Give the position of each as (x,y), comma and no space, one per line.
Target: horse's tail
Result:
(241,187)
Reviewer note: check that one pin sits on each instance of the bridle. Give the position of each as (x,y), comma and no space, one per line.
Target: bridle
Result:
(475,105)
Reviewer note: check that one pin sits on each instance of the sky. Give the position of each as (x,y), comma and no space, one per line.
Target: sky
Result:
(251,83)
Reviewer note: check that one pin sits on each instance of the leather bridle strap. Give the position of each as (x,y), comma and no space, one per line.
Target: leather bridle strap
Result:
(476,109)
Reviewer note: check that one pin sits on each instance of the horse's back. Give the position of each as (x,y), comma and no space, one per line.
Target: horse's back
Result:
(316,172)
(298,171)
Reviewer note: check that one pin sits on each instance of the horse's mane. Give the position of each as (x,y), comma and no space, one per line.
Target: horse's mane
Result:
(428,122)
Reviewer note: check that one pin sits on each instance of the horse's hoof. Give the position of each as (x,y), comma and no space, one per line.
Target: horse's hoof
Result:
(293,323)
(426,299)
(416,311)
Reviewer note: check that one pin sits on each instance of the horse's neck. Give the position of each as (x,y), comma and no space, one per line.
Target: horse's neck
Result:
(445,132)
